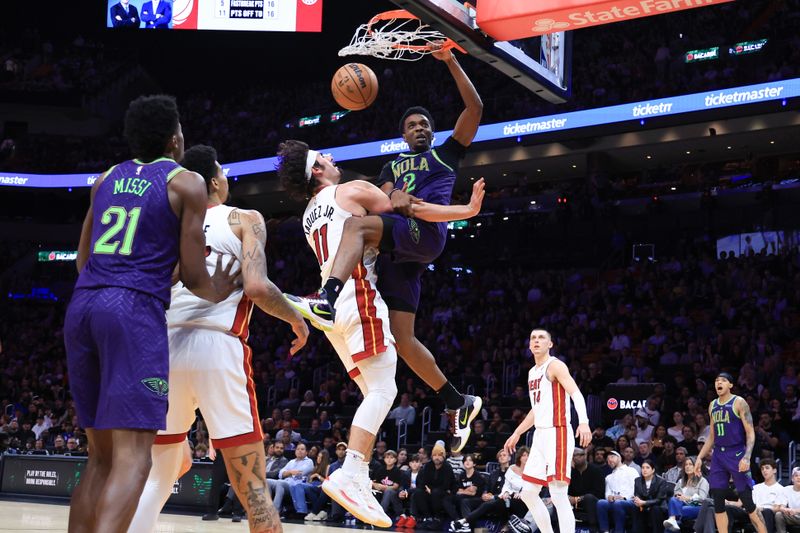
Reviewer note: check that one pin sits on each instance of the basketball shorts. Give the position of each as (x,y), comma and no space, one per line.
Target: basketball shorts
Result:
(212,371)
(725,466)
(117,358)
(550,458)
(361,329)
(407,248)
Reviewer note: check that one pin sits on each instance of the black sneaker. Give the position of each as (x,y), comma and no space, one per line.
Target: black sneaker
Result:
(236,518)
(517,525)
(463,419)
(460,526)
(315,308)
(210,516)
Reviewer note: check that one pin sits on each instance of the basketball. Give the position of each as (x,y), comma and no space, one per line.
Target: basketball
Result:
(354,86)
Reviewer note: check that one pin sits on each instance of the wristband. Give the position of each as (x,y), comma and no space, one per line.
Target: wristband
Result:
(393,191)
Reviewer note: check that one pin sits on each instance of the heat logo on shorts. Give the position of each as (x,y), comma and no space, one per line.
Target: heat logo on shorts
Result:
(157,385)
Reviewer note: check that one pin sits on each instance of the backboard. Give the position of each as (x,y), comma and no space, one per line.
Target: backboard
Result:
(543,64)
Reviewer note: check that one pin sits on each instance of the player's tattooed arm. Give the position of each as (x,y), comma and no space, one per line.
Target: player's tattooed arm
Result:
(747,420)
(257,285)
(254,492)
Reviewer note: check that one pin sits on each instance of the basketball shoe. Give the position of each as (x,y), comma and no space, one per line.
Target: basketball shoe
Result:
(463,420)
(349,492)
(315,307)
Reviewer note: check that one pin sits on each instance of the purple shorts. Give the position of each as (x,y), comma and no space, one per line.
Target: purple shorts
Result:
(117,358)
(725,466)
(414,245)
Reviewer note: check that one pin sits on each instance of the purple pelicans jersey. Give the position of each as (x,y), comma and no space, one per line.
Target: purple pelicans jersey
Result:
(135,232)
(115,330)
(730,440)
(430,176)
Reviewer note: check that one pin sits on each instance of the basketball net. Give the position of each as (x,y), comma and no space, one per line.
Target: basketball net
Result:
(397,35)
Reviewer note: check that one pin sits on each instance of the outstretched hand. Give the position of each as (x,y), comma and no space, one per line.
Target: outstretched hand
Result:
(478,193)
(223,280)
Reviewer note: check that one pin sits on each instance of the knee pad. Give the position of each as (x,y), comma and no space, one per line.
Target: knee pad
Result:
(373,410)
(718,495)
(747,501)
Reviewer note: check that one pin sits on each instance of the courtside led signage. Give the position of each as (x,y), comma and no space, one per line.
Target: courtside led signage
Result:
(706,54)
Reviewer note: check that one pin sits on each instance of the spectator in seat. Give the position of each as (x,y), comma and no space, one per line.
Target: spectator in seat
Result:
(291,474)
(386,483)
(667,459)
(435,485)
(690,492)
(769,495)
(586,488)
(674,474)
(276,460)
(705,522)
(404,411)
(506,503)
(650,498)
(629,459)
(406,494)
(286,428)
(790,514)
(468,490)
(318,505)
(309,490)
(677,429)
(689,441)
(619,494)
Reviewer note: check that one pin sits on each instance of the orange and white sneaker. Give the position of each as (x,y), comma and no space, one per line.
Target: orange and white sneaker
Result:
(349,493)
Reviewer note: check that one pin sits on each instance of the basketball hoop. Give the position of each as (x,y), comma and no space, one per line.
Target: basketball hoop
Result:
(397,35)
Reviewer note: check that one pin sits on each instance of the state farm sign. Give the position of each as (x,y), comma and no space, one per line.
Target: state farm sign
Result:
(507,20)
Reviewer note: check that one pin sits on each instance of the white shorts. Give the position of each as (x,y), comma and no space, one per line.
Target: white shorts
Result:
(551,455)
(212,371)
(361,329)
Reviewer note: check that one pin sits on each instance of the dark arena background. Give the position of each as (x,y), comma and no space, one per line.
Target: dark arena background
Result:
(642,172)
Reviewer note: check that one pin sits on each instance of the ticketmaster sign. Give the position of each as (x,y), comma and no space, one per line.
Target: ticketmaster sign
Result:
(763,92)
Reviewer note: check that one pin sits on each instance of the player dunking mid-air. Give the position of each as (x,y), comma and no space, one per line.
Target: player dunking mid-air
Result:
(732,438)
(550,387)
(210,361)
(361,335)
(145,215)
(408,245)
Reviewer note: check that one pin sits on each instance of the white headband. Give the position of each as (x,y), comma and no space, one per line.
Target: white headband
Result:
(311,158)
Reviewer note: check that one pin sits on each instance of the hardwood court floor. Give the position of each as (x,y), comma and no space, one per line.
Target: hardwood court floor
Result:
(25,517)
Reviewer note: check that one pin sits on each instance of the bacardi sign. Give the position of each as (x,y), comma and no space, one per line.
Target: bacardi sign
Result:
(507,20)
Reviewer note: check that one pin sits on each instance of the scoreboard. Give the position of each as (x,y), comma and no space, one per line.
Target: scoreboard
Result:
(231,15)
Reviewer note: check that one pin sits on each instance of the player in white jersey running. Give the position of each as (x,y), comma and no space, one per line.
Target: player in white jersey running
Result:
(361,335)
(550,387)
(210,361)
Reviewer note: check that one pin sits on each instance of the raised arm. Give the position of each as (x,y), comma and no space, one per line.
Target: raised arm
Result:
(467,123)
(257,286)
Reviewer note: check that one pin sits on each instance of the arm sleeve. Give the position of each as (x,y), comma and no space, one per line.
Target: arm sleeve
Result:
(580,406)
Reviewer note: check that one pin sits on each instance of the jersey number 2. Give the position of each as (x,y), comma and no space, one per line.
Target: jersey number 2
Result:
(321,244)
(120,216)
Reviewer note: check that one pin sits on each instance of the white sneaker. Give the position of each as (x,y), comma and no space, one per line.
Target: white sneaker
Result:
(322,515)
(671,524)
(310,517)
(365,486)
(348,493)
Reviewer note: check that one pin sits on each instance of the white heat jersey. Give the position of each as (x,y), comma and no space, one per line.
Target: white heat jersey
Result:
(232,315)
(323,224)
(549,400)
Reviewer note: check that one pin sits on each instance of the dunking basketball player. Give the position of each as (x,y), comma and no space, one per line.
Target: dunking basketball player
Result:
(361,335)
(145,215)
(551,387)
(408,246)
(210,361)
(732,438)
